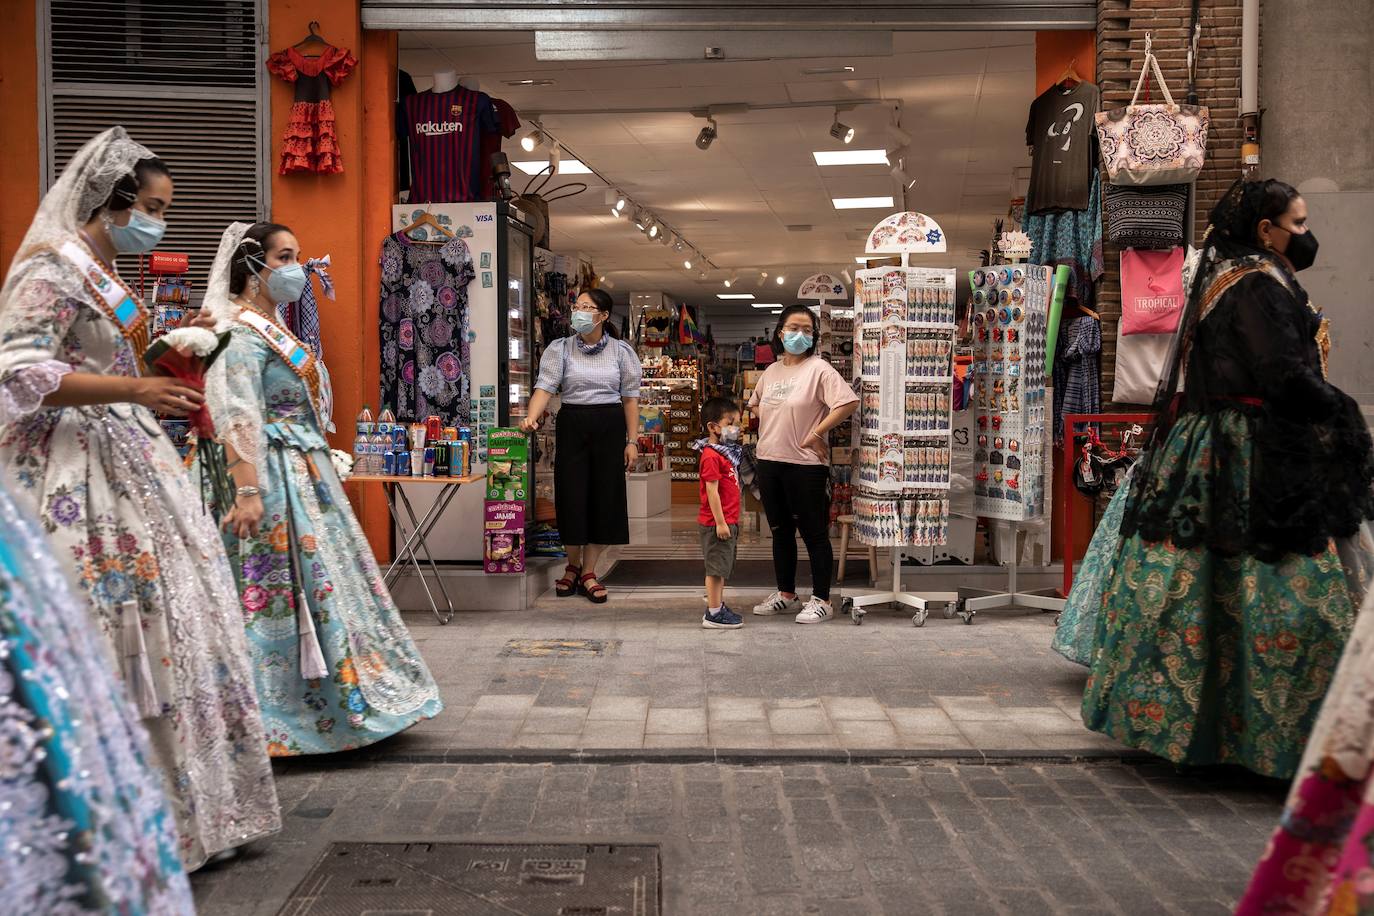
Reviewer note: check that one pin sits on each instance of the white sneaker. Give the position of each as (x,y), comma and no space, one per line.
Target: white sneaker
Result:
(777,604)
(816,611)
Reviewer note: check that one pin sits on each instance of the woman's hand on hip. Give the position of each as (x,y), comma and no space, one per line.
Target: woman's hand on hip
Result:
(815,441)
(631,455)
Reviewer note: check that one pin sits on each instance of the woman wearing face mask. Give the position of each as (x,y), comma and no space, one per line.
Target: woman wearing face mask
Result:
(798,401)
(1244,547)
(597,376)
(336,668)
(78,433)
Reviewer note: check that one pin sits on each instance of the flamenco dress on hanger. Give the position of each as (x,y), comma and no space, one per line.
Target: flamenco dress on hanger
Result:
(311,141)
(1244,545)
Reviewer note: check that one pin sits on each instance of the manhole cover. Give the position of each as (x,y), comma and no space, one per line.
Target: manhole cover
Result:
(472,879)
(559,648)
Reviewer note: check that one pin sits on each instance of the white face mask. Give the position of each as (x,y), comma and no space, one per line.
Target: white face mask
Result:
(729,434)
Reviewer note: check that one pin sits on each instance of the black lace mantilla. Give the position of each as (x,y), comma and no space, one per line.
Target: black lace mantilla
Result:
(1294,470)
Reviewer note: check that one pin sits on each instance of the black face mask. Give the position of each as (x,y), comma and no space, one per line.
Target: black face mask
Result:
(1302,250)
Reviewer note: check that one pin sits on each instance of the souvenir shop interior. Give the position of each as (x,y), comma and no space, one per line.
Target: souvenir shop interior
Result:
(936,196)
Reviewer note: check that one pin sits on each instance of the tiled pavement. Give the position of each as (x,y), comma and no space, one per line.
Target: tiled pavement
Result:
(664,684)
(937,838)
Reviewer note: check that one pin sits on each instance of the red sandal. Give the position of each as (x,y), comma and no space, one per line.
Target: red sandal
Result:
(566,587)
(596,592)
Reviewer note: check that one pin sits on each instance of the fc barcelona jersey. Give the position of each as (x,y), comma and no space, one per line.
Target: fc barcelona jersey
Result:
(445,131)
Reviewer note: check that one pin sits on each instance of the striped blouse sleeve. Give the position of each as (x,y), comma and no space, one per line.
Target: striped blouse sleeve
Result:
(551,368)
(631,372)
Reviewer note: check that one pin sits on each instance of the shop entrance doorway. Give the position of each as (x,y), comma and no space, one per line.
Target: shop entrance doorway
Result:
(701,193)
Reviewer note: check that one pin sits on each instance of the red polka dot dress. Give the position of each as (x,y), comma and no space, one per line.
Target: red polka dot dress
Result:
(310,143)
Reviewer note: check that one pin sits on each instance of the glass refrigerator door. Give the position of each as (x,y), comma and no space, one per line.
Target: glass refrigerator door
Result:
(519,319)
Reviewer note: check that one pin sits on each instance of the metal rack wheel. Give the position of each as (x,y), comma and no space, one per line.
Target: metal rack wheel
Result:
(963,611)
(950,609)
(919,618)
(856,614)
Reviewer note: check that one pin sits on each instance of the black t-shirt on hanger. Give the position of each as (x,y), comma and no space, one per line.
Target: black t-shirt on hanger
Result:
(1061,133)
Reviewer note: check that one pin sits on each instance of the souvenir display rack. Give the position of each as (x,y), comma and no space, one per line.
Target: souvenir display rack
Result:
(1010,312)
(904,327)
(1009,308)
(674,386)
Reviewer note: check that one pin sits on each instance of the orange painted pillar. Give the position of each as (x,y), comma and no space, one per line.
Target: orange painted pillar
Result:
(345,216)
(19,164)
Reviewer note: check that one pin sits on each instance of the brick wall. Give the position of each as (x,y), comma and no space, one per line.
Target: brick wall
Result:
(1121,28)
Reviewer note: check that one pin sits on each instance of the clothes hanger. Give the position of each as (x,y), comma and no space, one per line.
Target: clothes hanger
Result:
(1070,74)
(313,38)
(427,219)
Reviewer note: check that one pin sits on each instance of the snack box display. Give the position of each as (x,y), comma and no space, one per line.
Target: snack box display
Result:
(503,536)
(508,464)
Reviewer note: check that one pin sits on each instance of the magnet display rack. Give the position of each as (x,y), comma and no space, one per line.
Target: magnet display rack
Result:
(904,325)
(1010,311)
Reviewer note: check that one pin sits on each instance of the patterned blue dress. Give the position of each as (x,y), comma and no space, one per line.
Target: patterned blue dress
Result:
(310,544)
(1076,634)
(85,825)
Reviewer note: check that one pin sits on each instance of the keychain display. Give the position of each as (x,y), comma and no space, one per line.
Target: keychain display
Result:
(904,320)
(1008,313)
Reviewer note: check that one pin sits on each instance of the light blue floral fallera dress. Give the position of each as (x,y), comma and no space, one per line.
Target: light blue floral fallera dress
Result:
(310,542)
(84,825)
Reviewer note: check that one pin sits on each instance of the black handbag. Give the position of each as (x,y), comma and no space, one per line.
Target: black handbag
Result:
(1146,217)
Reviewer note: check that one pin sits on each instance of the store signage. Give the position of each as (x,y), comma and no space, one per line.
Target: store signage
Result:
(1014,245)
(907,233)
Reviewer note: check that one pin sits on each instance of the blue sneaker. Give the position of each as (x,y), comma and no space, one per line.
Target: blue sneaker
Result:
(724,619)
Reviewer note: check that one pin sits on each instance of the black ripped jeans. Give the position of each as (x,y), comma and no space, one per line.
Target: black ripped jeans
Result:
(796,499)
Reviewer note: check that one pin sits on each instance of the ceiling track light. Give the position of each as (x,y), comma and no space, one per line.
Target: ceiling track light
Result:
(532,140)
(902,137)
(780,280)
(702,274)
(842,132)
(687,264)
(679,245)
(708,134)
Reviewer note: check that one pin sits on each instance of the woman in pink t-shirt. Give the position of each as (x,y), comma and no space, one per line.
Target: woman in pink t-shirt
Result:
(798,401)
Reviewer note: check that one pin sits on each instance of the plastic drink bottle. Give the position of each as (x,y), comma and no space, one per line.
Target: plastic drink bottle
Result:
(365,424)
(385,420)
(362,452)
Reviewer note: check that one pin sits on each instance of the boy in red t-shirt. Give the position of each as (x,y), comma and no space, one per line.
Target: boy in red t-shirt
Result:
(719,515)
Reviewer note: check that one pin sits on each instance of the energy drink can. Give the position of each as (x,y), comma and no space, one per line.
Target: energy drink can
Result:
(441,459)
(429,461)
(398,438)
(389,463)
(402,462)
(434,429)
(417,462)
(417,436)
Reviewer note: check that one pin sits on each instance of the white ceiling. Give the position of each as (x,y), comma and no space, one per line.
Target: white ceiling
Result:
(964,99)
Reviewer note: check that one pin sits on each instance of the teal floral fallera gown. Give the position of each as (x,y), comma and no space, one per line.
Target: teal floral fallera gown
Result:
(1245,543)
(310,543)
(1076,632)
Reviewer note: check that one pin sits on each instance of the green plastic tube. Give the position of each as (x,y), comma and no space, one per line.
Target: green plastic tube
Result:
(1061,283)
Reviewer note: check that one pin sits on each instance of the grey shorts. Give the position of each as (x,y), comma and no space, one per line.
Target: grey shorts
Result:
(719,555)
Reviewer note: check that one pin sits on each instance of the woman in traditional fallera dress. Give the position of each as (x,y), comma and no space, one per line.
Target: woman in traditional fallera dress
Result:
(1244,540)
(86,826)
(336,667)
(78,435)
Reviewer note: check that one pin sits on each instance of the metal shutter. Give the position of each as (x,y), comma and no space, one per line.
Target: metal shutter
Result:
(187,81)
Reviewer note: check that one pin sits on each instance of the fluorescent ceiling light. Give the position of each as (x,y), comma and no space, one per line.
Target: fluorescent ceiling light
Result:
(766,305)
(775,312)
(565,167)
(850,156)
(734,295)
(816,71)
(862,203)
(534,82)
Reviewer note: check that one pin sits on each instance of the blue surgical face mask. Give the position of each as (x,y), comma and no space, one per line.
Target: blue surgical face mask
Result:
(285,283)
(583,322)
(796,342)
(141,234)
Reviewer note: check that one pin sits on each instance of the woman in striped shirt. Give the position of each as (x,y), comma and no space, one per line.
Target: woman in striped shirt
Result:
(597,376)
